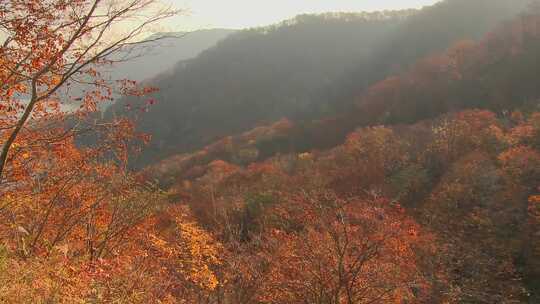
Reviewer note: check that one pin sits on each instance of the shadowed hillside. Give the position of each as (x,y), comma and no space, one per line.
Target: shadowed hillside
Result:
(261,75)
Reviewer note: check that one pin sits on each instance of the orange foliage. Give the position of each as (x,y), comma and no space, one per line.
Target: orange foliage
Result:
(347,252)
(522,163)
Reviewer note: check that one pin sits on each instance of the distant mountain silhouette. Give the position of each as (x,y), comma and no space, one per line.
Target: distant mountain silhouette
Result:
(152,58)
(163,54)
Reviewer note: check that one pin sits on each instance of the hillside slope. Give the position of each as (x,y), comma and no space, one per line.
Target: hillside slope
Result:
(266,73)
(261,75)
(469,177)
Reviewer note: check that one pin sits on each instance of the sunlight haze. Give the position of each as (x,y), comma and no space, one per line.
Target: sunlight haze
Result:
(239,14)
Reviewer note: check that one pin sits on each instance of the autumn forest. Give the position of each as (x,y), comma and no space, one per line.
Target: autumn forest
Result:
(336,158)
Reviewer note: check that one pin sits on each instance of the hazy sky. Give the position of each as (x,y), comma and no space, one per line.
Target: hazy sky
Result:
(251,13)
